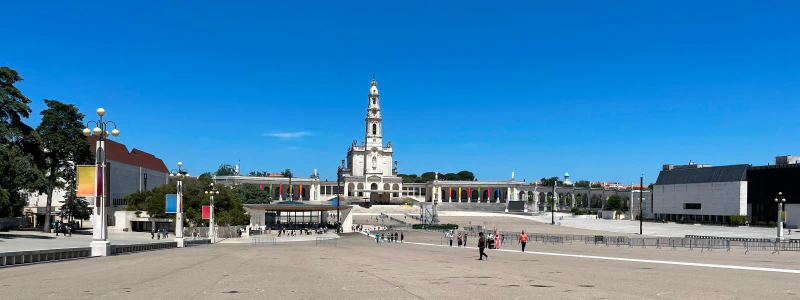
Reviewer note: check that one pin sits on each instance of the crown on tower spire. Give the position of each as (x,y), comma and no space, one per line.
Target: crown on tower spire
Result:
(374,83)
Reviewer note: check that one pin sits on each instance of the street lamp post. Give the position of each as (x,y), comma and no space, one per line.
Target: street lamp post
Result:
(553,207)
(338,193)
(641,200)
(212,230)
(780,199)
(100,244)
(179,175)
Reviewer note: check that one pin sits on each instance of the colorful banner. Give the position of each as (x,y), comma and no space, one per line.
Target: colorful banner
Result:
(100,181)
(469,192)
(172,204)
(301,191)
(261,186)
(87,178)
(206,212)
(782,216)
(280,189)
(459,193)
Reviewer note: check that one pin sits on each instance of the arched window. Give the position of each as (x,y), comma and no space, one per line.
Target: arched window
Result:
(374,129)
(373,100)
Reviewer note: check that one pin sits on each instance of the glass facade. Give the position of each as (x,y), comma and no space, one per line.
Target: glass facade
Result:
(292,219)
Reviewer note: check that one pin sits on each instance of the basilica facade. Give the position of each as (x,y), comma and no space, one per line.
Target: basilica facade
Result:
(370,173)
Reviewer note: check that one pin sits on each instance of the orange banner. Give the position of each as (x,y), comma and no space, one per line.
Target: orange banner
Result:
(87,180)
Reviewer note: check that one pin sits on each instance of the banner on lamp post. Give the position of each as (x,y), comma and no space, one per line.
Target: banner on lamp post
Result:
(87,180)
(206,212)
(172,204)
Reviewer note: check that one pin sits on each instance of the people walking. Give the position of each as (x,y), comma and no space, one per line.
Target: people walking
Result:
(450,237)
(377,238)
(152,234)
(465,239)
(482,246)
(523,240)
(401,237)
(460,240)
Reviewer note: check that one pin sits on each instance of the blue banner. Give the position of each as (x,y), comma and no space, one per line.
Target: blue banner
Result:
(336,201)
(172,204)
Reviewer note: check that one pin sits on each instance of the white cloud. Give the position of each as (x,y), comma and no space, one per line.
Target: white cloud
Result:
(288,135)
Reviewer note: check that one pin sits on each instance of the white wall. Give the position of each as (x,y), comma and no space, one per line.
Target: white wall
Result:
(716,198)
(126,179)
(792,215)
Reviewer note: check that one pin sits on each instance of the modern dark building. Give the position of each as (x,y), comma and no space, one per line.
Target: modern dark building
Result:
(763,185)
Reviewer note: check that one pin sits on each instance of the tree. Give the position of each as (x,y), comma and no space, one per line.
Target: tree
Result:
(206,175)
(614,202)
(551,181)
(225,170)
(582,184)
(20,147)
(650,186)
(65,147)
(314,176)
(427,176)
(250,193)
(287,173)
(466,175)
(75,207)
(597,186)
(228,209)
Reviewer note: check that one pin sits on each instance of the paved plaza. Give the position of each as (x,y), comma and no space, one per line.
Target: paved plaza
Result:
(359,268)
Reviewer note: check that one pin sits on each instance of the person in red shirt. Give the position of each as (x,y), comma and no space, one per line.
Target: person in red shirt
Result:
(523,240)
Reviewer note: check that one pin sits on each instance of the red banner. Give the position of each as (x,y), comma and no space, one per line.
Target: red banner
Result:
(206,212)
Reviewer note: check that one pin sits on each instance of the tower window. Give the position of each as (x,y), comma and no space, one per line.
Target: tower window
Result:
(374,129)
(373,100)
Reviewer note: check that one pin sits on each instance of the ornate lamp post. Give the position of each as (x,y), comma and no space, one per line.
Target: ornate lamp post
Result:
(100,244)
(212,230)
(641,200)
(179,175)
(780,199)
(338,192)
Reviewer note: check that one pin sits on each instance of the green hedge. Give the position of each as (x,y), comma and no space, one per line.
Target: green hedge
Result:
(435,226)
(738,220)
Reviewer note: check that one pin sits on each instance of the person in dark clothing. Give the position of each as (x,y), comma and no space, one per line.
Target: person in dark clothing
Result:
(482,246)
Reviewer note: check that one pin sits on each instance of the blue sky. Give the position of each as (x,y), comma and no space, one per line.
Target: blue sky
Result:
(606,89)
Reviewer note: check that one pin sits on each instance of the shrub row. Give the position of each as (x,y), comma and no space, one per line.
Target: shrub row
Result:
(435,226)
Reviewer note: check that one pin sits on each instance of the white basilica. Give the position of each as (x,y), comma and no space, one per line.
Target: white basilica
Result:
(370,176)
(369,173)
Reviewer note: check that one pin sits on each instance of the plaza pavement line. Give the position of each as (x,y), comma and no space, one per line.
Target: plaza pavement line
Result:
(664,262)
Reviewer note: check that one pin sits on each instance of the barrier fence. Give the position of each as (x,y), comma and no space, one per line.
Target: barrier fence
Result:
(326,241)
(690,242)
(261,241)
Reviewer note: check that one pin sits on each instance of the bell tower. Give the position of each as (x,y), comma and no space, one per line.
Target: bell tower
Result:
(374,135)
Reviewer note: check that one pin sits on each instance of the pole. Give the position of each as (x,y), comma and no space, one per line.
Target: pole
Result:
(100,244)
(338,193)
(179,214)
(211,228)
(780,222)
(641,199)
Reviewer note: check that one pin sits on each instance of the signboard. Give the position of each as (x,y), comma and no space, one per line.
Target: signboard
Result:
(336,201)
(87,179)
(206,212)
(172,204)
(644,207)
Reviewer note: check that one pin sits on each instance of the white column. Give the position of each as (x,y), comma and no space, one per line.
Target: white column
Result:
(100,244)
(574,201)
(179,216)
(212,230)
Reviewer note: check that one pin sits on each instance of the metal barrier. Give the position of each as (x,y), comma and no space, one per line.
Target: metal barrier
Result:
(776,247)
(644,242)
(119,249)
(270,241)
(326,241)
(8,259)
